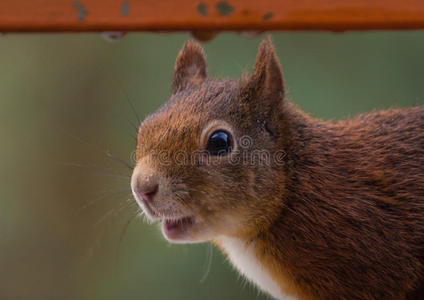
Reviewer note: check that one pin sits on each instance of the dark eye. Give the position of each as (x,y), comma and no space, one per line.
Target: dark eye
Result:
(219,143)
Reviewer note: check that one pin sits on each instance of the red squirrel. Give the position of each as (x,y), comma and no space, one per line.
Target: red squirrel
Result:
(303,208)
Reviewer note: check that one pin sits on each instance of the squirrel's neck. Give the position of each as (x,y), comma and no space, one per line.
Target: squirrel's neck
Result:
(308,172)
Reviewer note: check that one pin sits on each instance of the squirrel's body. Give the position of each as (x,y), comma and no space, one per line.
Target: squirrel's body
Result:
(341,216)
(354,223)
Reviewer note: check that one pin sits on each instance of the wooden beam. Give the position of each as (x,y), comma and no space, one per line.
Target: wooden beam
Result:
(214,15)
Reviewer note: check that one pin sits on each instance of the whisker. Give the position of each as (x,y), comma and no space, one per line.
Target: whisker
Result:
(132,106)
(123,205)
(102,219)
(134,137)
(127,224)
(110,213)
(134,126)
(209,255)
(101,150)
(127,97)
(107,192)
(112,175)
(132,203)
(92,166)
(103,197)
(122,235)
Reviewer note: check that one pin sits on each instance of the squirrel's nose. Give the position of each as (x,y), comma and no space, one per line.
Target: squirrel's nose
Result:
(145,182)
(147,190)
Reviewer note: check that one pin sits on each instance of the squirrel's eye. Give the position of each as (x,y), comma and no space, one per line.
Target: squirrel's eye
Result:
(219,143)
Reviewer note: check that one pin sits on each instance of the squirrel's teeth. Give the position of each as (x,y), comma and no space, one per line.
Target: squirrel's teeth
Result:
(172,224)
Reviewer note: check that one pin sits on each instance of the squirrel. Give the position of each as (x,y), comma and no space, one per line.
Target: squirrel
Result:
(337,214)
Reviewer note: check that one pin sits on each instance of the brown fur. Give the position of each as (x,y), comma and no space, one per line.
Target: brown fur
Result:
(342,218)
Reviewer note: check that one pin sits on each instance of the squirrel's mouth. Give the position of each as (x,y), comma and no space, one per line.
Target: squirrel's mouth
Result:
(176,230)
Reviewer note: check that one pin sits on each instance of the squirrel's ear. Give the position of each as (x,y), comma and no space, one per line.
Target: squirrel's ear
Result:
(267,78)
(190,67)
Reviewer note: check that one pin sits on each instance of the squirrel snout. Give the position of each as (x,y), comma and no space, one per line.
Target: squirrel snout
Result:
(144,186)
(146,189)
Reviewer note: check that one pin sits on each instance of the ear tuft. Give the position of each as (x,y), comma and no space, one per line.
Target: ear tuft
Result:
(190,67)
(267,77)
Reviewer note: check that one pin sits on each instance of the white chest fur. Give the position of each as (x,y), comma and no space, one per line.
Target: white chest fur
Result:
(243,258)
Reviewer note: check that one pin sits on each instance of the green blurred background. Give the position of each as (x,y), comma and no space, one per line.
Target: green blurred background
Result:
(63,232)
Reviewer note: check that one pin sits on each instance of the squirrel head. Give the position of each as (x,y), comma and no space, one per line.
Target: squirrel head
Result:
(210,160)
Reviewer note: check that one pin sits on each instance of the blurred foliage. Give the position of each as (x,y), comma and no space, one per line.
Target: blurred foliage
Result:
(63,228)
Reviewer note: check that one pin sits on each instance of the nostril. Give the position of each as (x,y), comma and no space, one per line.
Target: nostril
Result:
(147,193)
